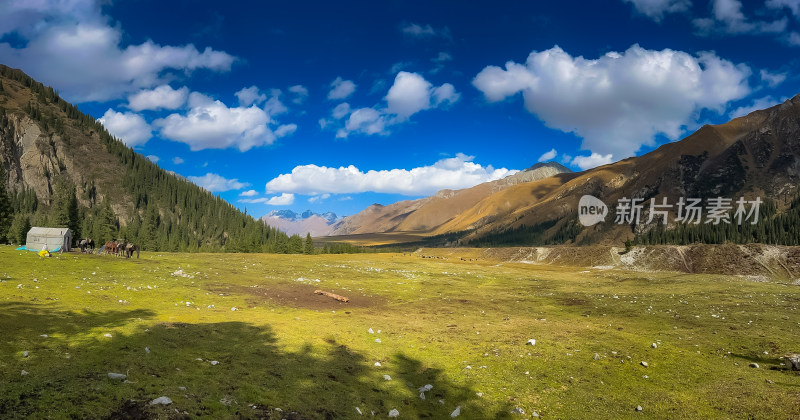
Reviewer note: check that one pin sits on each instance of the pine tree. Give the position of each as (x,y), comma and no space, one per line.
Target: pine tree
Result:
(18,233)
(5,206)
(309,249)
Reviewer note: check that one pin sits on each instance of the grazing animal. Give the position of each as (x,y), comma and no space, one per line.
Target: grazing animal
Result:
(130,249)
(111,247)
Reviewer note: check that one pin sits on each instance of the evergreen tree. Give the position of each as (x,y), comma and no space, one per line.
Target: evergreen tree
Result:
(5,206)
(18,233)
(106,225)
(309,249)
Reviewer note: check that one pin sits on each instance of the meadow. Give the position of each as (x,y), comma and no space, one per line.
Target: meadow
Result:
(244,336)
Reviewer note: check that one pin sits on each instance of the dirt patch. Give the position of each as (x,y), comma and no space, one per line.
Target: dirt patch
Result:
(299,296)
(132,410)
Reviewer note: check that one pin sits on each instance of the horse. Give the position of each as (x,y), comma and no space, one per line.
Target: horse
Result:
(130,249)
(111,247)
(86,245)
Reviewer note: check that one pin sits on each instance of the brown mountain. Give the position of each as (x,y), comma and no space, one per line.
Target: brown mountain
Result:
(755,155)
(427,214)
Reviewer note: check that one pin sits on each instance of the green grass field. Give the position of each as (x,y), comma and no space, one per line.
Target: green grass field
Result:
(460,326)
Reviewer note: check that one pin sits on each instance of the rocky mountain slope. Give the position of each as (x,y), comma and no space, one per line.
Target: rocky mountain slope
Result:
(426,214)
(46,143)
(757,155)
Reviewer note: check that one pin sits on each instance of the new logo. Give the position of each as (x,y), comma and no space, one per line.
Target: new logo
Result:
(591,210)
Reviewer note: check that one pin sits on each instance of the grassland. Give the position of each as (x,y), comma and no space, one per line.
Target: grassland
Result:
(460,326)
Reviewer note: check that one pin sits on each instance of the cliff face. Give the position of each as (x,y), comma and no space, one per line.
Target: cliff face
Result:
(39,143)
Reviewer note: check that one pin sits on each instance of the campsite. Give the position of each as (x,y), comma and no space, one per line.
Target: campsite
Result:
(245,336)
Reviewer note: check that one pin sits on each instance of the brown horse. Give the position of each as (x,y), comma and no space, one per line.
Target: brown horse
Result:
(111,248)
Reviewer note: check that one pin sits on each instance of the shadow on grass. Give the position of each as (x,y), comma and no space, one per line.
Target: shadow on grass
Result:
(253,377)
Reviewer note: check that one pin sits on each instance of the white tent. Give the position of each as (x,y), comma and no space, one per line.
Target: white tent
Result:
(56,239)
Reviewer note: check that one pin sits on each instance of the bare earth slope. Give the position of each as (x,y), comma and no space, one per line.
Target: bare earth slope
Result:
(426,214)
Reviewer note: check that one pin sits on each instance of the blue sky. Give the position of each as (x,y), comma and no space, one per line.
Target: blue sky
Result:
(333,106)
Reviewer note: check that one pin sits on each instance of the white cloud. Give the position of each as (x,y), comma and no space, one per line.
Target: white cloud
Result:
(249,96)
(210,124)
(772,79)
(793,5)
(129,127)
(72,45)
(453,173)
(177,160)
(162,97)
(285,130)
(153,158)
(249,193)
(620,101)
(656,9)
(414,30)
(317,198)
(548,155)
(216,183)
(591,161)
(278,200)
(760,103)
(341,89)
(410,93)
(341,110)
(366,121)
(300,94)
(727,17)
(793,39)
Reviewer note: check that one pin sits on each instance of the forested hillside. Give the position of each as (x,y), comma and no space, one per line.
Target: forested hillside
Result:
(61,168)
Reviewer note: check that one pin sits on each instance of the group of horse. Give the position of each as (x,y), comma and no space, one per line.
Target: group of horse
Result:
(119,248)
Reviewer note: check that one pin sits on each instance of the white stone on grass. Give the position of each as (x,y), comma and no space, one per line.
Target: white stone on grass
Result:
(531,342)
(116,376)
(161,400)
(25,353)
(370,331)
(387,377)
(394,413)
(456,412)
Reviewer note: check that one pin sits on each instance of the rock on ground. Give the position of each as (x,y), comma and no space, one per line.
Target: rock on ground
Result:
(394,413)
(161,400)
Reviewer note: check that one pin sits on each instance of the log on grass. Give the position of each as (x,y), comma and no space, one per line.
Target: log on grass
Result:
(332,295)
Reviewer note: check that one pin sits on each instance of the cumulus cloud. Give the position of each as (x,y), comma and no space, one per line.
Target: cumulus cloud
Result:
(72,45)
(285,199)
(300,93)
(177,160)
(657,9)
(410,93)
(249,193)
(591,161)
(620,101)
(548,155)
(453,173)
(341,89)
(760,103)
(249,96)
(162,97)
(153,158)
(210,124)
(129,127)
(727,17)
(215,183)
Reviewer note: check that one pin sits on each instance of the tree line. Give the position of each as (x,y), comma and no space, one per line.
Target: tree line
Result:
(155,209)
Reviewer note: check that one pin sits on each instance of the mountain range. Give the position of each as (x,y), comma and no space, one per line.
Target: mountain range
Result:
(757,155)
(291,223)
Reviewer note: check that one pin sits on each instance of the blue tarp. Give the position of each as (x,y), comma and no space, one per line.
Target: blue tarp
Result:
(22,248)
